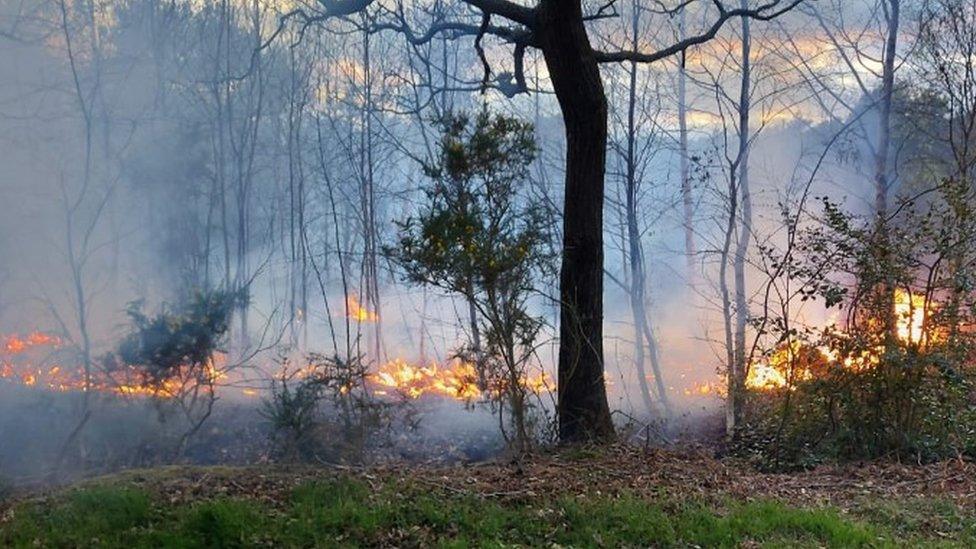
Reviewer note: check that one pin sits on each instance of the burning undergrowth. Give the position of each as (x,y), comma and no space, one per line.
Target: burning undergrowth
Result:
(162,406)
(151,402)
(895,375)
(128,430)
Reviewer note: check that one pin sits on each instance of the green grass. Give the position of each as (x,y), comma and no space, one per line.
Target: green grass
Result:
(348,513)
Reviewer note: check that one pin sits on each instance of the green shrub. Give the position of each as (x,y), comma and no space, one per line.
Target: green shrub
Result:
(895,375)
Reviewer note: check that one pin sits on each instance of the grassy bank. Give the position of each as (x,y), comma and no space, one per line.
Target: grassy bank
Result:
(569,500)
(347,512)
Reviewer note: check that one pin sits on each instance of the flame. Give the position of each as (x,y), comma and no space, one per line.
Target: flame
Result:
(457,380)
(14,344)
(705,388)
(763,375)
(359,313)
(539,384)
(772,372)
(910,316)
(17,365)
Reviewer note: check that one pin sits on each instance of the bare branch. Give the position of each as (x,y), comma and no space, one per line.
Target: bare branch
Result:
(765,12)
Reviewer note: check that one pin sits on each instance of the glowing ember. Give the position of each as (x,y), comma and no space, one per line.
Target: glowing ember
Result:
(358,312)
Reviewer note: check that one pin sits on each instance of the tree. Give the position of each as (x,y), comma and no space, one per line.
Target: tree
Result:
(746,100)
(636,147)
(478,237)
(174,352)
(558,28)
(947,70)
(857,38)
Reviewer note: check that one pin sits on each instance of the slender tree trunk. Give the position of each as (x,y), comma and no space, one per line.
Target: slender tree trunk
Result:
(367,168)
(732,411)
(224,125)
(635,251)
(294,197)
(884,110)
(582,402)
(685,169)
(475,333)
(881,182)
(739,365)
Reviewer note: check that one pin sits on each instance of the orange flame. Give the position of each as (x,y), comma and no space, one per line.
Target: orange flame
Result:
(457,381)
(16,366)
(705,388)
(910,316)
(14,344)
(359,313)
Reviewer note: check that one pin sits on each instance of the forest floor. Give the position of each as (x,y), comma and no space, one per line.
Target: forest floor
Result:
(609,497)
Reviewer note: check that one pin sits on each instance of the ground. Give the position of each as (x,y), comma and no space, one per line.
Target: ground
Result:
(611,497)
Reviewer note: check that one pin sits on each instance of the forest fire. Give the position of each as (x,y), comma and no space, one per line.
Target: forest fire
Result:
(910,314)
(457,380)
(705,389)
(30,361)
(357,312)
(796,362)
(22,363)
(14,344)
(774,372)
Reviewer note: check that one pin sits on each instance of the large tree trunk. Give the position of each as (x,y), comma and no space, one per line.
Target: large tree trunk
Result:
(582,404)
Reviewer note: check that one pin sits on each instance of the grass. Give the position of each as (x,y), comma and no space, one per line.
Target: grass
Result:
(346,512)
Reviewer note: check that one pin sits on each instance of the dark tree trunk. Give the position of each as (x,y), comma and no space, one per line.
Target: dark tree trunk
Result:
(582,404)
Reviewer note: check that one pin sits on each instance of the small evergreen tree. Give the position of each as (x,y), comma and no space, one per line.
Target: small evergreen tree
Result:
(173,353)
(480,236)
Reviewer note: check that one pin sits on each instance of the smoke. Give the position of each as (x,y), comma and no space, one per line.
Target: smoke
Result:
(151,157)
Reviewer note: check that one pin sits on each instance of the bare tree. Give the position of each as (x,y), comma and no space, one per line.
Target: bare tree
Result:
(687,200)
(757,85)
(559,30)
(635,149)
(738,366)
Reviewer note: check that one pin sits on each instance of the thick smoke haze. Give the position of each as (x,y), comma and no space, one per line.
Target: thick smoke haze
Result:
(152,149)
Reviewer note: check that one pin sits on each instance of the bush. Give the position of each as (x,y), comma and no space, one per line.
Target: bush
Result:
(172,353)
(480,236)
(323,411)
(896,376)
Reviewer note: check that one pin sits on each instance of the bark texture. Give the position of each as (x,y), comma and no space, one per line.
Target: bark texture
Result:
(582,403)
